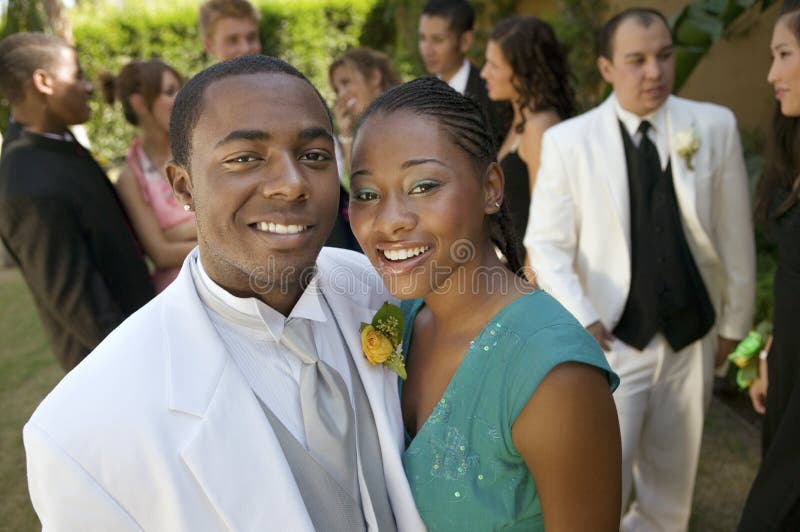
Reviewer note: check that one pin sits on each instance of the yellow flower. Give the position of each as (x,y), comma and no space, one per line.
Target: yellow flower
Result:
(377,348)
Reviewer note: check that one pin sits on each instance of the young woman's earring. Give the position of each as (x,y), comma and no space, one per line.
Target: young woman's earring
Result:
(187,207)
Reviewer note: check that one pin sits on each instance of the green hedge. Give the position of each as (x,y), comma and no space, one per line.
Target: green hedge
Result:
(307,33)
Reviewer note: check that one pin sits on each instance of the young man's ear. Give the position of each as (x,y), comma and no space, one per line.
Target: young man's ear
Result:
(465,41)
(181,183)
(606,68)
(42,81)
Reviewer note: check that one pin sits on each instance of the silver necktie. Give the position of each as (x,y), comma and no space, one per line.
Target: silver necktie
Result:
(327,413)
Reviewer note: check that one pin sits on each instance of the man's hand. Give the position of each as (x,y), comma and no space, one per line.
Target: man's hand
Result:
(758,390)
(725,346)
(603,337)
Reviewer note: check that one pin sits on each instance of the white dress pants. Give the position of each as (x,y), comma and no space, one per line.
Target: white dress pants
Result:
(661,403)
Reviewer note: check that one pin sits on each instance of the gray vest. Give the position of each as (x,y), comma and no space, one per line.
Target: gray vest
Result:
(330,507)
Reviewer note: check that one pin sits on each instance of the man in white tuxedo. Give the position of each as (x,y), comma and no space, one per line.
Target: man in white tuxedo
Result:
(192,415)
(640,225)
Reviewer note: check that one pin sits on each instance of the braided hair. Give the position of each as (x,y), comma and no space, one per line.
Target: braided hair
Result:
(464,121)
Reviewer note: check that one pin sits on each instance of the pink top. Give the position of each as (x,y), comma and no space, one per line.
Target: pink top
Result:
(157,193)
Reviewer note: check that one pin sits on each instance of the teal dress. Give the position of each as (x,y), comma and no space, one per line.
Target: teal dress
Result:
(463,468)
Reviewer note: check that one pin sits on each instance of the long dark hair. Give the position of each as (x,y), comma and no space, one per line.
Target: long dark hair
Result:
(463,120)
(782,161)
(541,73)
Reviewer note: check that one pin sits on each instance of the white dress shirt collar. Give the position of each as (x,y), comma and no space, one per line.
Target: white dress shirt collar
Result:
(460,79)
(657,132)
(309,306)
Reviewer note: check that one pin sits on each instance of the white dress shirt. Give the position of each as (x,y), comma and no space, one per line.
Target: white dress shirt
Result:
(271,370)
(460,79)
(657,132)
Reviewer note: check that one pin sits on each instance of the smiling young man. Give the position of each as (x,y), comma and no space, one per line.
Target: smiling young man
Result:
(240,398)
(640,225)
(229,28)
(60,218)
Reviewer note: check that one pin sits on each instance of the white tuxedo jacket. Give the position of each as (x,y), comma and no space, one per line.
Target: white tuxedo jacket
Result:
(158,430)
(578,237)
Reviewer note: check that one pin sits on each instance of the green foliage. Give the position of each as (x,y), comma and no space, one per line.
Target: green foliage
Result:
(391,26)
(698,25)
(310,34)
(576,26)
(307,33)
(390,322)
(24,15)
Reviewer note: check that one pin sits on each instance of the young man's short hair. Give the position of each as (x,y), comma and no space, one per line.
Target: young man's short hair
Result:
(214,10)
(20,55)
(459,13)
(644,15)
(189,104)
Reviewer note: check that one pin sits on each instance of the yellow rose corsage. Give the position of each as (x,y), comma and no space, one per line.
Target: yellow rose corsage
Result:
(382,340)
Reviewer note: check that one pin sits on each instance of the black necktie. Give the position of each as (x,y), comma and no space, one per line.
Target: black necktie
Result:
(648,157)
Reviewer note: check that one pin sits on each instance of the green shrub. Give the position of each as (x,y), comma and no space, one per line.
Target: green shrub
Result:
(307,33)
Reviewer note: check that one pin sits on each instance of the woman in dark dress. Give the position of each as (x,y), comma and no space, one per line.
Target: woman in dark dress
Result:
(774,500)
(526,65)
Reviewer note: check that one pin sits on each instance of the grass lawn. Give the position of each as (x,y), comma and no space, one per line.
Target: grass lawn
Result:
(28,371)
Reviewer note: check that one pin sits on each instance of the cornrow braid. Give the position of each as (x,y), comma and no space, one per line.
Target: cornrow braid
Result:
(504,236)
(466,124)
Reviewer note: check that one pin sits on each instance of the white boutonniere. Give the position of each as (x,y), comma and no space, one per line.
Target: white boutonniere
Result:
(686,143)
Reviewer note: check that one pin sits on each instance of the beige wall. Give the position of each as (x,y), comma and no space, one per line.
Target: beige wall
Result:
(733,72)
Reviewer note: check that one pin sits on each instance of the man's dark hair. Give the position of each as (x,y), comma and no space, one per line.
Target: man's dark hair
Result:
(464,122)
(21,54)
(644,15)
(189,102)
(459,13)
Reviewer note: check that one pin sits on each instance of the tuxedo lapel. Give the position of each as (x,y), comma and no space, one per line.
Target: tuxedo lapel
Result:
(608,161)
(380,385)
(233,453)
(687,181)
(381,389)
(683,177)
(239,463)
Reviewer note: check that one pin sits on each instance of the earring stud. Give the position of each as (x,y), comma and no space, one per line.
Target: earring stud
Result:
(187,207)
(497,204)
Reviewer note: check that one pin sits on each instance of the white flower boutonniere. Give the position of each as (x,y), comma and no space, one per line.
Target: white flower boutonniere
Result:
(686,144)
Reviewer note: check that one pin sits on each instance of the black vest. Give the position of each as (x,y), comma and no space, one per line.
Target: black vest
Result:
(667,293)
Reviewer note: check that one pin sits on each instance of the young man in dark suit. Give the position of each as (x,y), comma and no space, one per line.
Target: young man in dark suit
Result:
(59,215)
(445,36)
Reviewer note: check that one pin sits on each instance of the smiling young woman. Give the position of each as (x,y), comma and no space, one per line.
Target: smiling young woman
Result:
(503,385)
